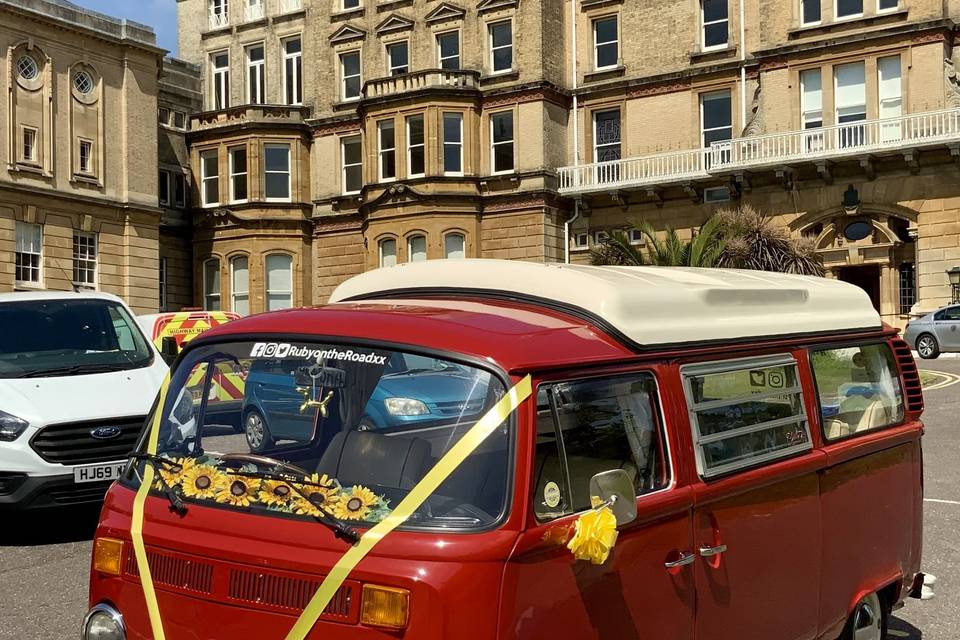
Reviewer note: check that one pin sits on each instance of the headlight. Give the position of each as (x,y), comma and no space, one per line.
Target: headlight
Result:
(11,427)
(405,407)
(103,623)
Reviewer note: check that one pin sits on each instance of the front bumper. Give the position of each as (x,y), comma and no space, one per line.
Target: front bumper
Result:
(20,491)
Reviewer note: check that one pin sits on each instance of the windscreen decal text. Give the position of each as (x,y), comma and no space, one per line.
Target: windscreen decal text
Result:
(287,350)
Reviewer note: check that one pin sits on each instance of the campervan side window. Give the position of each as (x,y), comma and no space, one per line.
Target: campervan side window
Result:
(586,427)
(858,388)
(745,412)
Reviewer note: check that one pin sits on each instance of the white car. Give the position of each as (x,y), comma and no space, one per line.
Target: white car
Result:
(77,378)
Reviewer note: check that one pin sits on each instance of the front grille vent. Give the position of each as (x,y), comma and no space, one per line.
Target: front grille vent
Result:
(913,388)
(287,592)
(173,571)
(73,442)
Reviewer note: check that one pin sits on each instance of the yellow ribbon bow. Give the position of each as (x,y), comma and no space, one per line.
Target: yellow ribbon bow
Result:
(594,535)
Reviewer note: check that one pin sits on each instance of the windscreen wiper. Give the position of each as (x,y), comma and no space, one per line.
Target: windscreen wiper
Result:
(57,371)
(160,463)
(339,528)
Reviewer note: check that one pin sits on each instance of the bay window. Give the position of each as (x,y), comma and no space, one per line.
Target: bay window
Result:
(850,96)
(276,172)
(387,150)
(415,147)
(351,157)
(388,252)
(453,144)
(238,174)
(417,248)
(279,268)
(240,285)
(210,178)
(501,135)
(211,285)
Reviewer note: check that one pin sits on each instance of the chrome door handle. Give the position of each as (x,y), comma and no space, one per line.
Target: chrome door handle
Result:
(684,560)
(709,552)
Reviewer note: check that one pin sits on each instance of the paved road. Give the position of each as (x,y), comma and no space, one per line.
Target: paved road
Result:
(44,560)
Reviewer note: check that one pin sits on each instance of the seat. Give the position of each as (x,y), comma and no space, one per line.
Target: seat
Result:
(373,459)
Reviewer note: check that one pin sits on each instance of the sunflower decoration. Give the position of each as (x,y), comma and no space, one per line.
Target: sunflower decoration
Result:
(238,491)
(200,481)
(277,494)
(173,473)
(356,504)
(323,493)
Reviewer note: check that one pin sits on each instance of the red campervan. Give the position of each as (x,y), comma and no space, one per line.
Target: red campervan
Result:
(516,450)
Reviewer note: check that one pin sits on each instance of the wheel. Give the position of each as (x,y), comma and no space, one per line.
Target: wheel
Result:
(256,431)
(868,620)
(928,347)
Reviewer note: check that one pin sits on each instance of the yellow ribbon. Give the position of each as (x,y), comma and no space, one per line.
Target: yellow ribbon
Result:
(594,535)
(417,496)
(136,526)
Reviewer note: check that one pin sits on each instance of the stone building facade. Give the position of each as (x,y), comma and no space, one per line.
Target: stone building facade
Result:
(343,135)
(78,152)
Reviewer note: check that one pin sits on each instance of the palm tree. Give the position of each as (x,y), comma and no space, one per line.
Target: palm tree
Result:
(703,250)
(753,241)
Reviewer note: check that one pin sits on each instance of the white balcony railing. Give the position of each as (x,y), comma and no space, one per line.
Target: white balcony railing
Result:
(419,80)
(853,139)
(255,11)
(289,6)
(218,19)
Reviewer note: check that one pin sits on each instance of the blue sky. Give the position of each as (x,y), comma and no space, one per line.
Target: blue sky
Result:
(159,14)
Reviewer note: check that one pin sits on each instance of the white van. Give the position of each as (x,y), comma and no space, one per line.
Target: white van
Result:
(77,378)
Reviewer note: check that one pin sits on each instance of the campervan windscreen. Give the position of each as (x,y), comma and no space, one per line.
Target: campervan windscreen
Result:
(339,430)
(57,337)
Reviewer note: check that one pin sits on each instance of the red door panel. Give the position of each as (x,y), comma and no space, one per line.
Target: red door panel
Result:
(546,593)
(766,583)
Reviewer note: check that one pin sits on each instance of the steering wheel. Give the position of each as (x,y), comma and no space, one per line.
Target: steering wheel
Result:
(263,461)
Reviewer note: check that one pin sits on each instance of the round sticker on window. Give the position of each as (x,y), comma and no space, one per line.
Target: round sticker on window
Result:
(551,494)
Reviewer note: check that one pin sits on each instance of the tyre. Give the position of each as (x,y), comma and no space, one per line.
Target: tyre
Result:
(868,620)
(928,347)
(256,431)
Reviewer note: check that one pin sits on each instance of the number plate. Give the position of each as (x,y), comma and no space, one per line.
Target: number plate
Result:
(98,472)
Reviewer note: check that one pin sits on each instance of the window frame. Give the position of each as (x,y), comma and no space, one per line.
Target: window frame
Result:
(162,276)
(422,145)
(204,178)
(803,21)
(234,293)
(494,144)
(38,283)
(459,54)
(596,44)
(380,244)
(79,258)
(410,240)
(163,180)
(713,367)
(344,140)
(446,249)
(85,169)
(297,71)
(444,143)
(848,344)
(219,79)
(804,110)
(595,145)
(232,175)
(388,49)
(705,97)
(289,172)
(258,68)
(179,190)
(206,292)
(910,292)
(34,135)
(494,48)
(575,243)
(668,457)
(881,10)
(703,29)
(849,16)
(344,77)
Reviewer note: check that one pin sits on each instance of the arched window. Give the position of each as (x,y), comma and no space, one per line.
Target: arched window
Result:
(417,248)
(388,252)
(211,284)
(279,281)
(240,285)
(454,246)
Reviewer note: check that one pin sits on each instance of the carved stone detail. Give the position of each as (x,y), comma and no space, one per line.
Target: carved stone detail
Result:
(755,118)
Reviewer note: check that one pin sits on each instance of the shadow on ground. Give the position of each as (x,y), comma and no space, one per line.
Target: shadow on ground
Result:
(49,526)
(901,630)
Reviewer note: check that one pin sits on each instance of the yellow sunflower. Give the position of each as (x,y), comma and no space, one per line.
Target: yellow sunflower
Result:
(238,491)
(323,497)
(200,481)
(276,493)
(174,474)
(355,504)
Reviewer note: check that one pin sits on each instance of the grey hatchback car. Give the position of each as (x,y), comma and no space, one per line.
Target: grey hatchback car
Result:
(935,333)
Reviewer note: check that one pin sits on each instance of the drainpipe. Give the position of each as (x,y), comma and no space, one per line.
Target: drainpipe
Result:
(743,70)
(576,129)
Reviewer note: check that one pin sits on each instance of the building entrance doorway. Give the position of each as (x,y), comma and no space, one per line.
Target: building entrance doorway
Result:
(867,277)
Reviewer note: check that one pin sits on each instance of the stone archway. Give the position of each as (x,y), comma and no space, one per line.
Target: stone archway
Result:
(869,245)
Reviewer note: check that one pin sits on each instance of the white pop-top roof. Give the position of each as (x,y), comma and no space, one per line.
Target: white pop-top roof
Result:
(646,305)
(26,296)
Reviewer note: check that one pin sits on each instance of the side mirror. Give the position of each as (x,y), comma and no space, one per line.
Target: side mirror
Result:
(616,488)
(169,349)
